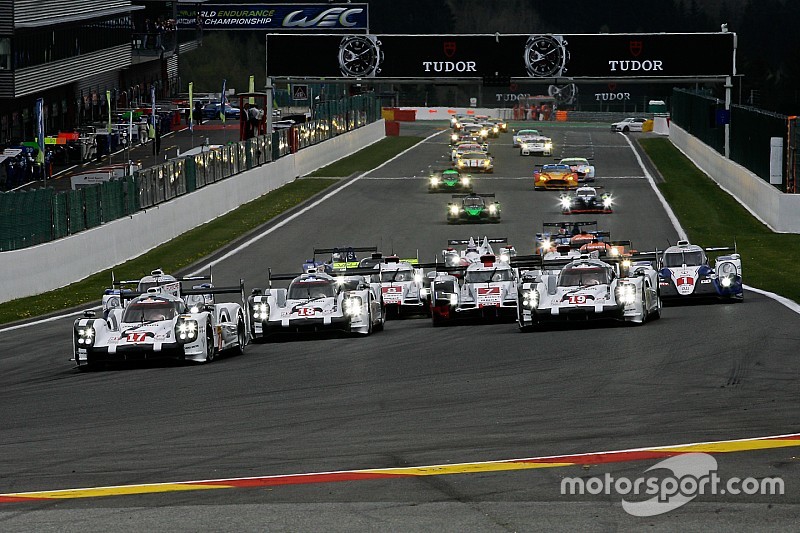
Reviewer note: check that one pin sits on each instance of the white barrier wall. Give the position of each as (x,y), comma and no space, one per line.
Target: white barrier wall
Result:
(779,211)
(45,267)
(444,113)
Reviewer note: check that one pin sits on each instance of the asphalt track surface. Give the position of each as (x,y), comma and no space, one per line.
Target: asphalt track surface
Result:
(412,395)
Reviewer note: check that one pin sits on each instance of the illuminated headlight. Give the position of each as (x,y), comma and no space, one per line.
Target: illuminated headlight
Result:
(530,299)
(453,120)
(424,292)
(626,263)
(487,163)
(613,251)
(85,335)
(565,202)
(626,293)
(353,305)
(524,146)
(261,311)
(607,201)
(418,278)
(194,309)
(492,209)
(504,258)
(186,330)
(548,145)
(465,181)
(727,281)
(484,132)
(453,209)
(546,244)
(454,299)
(454,137)
(461,162)
(434,181)
(495,129)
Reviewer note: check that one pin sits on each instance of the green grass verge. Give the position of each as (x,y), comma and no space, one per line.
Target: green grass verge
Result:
(179,253)
(711,217)
(368,158)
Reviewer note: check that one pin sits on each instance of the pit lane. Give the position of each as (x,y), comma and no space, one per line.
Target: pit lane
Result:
(411,395)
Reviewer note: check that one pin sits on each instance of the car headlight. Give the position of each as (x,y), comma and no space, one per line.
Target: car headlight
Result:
(353,305)
(727,281)
(484,133)
(84,335)
(454,137)
(504,258)
(465,181)
(565,202)
(261,311)
(453,209)
(626,263)
(186,330)
(495,129)
(546,244)
(417,278)
(492,209)
(726,269)
(613,251)
(530,299)
(607,201)
(461,162)
(524,146)
(626,293)
(454,299)
(434,181)
(548,145)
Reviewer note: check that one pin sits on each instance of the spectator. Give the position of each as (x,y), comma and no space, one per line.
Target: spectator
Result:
(148,29)
(198,113)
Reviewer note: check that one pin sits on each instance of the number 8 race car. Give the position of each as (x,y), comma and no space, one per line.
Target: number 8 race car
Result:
(159,324)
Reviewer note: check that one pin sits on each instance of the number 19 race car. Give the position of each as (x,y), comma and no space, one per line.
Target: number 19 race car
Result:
(587,289)
(159,324)
(316,301)
(686,274)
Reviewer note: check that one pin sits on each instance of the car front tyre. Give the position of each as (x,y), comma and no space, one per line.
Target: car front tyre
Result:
(211,351)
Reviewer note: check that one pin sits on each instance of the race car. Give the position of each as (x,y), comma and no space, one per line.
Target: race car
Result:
(317,301)
(464,147)
(485,289)
(586,200)
(405,289)
(532,142)
(571,233)
(340,258)
(473,252)
(115,296)
(502,125)
(449,180)
(554,176)
(686,274)
(587,289)
(580,166)
(476,161)
(159,324)
(473,208)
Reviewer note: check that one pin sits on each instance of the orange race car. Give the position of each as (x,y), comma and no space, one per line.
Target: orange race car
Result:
(554,177)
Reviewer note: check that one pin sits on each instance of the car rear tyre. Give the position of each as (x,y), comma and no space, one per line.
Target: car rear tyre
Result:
(241,336)
(211,351)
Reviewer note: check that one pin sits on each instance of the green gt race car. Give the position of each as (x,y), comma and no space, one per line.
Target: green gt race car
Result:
(449,180)
(473,208)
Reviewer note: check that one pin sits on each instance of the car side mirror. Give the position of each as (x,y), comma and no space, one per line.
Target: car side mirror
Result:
(89,313)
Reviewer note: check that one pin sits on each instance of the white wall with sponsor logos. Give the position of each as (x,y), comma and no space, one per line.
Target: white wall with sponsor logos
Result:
(780,211)
(444,113)
(48,266)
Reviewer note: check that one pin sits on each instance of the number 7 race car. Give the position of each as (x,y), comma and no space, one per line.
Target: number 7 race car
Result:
(588,289)
(159,324)
(316,301)
(686,274)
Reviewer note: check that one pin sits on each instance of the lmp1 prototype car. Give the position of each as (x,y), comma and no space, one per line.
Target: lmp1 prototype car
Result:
(685,274)
(587,289)
(405,289)
(449,180)
(473,208)
(484,289)
(586,200)
(473,252)
(340,258)
(580,166)
(572,233)
(554,176)
(116,296)
(316,301)
(159,324)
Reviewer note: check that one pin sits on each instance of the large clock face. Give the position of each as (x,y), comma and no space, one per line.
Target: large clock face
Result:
(545,56)
(358,56)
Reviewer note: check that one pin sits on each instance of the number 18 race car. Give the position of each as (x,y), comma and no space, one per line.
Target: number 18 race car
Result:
(686,274)
(160,324)
(316,301)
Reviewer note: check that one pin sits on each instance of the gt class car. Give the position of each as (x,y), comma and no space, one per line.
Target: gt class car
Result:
(158,324)
(554,176)
(629,124)
(589,289)
(316,301)
(476,161)
(473,208)
(686,274)
(580,166)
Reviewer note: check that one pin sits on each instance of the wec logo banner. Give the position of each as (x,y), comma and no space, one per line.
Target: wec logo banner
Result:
(276,17)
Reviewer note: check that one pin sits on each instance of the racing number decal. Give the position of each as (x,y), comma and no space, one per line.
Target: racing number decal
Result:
(305,311)
(392,290)
(685,280)
(577,299)
(136,337)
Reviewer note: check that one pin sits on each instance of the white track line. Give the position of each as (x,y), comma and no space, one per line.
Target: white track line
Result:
(789,304)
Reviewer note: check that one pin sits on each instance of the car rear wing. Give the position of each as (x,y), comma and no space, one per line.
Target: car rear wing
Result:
(569,224)
(372,249)
(482,195)
(491,240)
(233,289)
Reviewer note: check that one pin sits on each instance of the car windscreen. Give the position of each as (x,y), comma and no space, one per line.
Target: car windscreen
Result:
(149,311)
(574,277)
(474,156)
(486,276)
(473,202)
(397,275)
(303,290)
(676,259)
